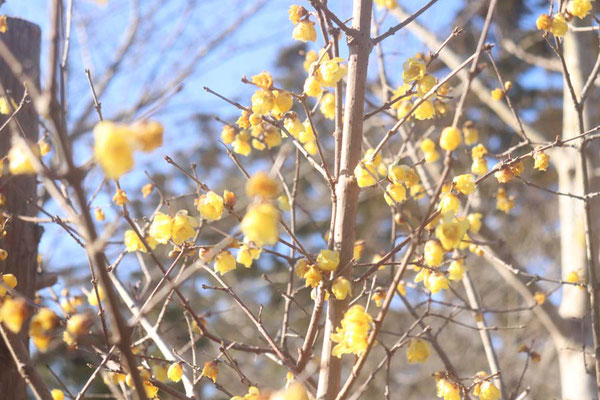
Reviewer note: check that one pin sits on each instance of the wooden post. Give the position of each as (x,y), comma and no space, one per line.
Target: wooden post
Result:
(21,241)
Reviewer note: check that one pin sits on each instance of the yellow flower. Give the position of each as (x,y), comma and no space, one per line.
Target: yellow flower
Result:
(262,102)
(400,92)
(428,148)
(389,4)
(301,267)
(8,280)
(403,109)
(414,70)
(148,135)
(450,231)
(487,391)
(456,270)
(403,174)
(327,106)
(57,394)
(331,71)
(224,262)
(161,228)
(261,185)
(92,298)
(19,161)
(244,120)
(479,166)
(293,124)
(113,148)
(210,371)
(282,103)
(3,254)
(504,203)
(341,288)
(210,206)
(150,389)
(517,168)
(313,276)
(147,189)
(264,80)
(352,336)
(433,253)
(450,138)
(464,183)
(310,58)
(247,254)
(241,144)
(572,277)
(365,177)
(544,22)
(447,390)
(305,31)
(328,260)
(559,25)
(541,160)
(42,322)
(175,372)
(580,8)
(425,111)
(228,134)
(133,242)
(183,227)
(425,85)
(539,297)
(497,94)
(13,314)
(311,147)
(418,351)
(475,222)
(378,297)
(120,197)
(448,203)
(260,224)
(470,133)
(296,13)
(312,87)
(6,105)
(78,324)
(478,151)
(394,193)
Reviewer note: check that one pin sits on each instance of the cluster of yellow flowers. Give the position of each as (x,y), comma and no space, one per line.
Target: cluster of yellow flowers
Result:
(418,82)
(323,72)
(115,144)
(304,30)
(327,261)
(352,336)
(253,132)
(557,24)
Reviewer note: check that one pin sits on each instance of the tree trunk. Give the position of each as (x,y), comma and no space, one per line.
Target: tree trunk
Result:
(21,240)
(576,381)
(346,188)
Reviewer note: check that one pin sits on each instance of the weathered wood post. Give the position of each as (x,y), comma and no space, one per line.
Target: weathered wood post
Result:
(21,241)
